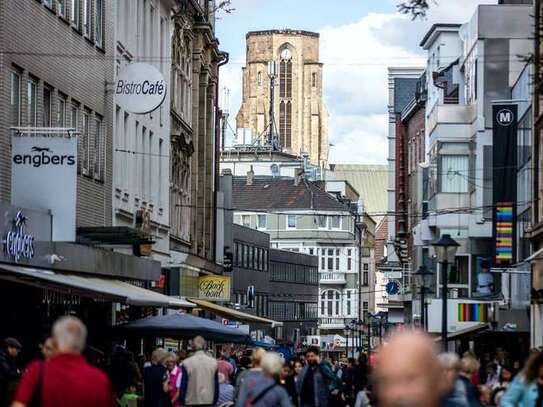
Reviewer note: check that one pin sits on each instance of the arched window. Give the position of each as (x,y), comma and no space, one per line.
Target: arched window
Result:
(285,97)
(259,76)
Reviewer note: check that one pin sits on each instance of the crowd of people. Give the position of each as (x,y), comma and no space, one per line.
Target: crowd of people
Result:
(408,372)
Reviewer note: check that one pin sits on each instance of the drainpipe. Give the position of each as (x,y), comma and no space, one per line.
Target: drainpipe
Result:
(224,58)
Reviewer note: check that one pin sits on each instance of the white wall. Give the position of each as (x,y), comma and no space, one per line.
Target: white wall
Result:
(141,169)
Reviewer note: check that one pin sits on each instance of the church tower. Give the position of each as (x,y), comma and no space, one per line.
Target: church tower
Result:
(301,119)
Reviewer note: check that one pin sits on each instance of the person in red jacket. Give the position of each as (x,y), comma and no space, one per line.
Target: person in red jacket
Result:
(66,379)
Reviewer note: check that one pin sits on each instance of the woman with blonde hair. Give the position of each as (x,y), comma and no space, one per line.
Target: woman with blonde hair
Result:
(155,379)
(256,358)
(263,389)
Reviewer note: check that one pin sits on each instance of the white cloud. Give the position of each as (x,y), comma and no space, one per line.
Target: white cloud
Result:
(356,57)
(358,139)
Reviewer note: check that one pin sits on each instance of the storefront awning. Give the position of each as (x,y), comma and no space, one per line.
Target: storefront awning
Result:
(106,289)
(233,314)
(483,326)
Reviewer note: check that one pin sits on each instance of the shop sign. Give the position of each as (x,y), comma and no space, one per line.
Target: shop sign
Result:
(214,288)
(140,88)
(44,178)
(17,243)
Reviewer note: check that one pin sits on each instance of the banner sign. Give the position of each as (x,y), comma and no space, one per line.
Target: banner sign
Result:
(214,288)
(44,177)
(504,163)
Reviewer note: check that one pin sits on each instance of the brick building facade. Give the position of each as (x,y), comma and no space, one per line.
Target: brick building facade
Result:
(56,71)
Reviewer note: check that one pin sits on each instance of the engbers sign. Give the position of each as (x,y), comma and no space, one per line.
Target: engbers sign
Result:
(214,288)
(44,177)
(140,88)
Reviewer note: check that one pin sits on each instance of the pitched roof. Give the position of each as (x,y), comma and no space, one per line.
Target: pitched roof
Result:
(281,193)
(371,183)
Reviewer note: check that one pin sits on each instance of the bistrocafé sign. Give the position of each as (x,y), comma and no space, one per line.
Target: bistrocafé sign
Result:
(214,288)
(140,88)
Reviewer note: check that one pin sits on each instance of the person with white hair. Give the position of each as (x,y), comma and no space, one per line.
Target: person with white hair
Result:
(199,377)
(454,391)
(264,390)
(66,379)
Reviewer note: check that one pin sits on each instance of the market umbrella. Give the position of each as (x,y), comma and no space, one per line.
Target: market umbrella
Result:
(183,326)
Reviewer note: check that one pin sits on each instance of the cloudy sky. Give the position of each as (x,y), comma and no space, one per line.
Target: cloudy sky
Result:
(359,40)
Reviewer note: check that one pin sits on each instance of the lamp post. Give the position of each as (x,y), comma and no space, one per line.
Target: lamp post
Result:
(423,276)
(445,248)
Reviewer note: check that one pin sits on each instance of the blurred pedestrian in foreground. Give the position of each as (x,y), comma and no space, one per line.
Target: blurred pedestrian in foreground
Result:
(452,387)
(199,377)
(65,380)
(255,370)
(317,382)
(9,372)
(408,372)
(289,384)
(263,390)
(469,368)
(527,388)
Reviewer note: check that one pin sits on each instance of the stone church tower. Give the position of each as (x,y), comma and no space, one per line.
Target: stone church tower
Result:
(300,114)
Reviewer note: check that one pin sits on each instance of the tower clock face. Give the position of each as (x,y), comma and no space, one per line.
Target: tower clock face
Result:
(286,54)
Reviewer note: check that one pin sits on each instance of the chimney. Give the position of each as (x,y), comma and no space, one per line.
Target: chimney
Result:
(298,176)
(250,176)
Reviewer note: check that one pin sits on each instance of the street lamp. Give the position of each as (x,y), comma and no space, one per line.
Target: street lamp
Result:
(423,276)
(445,248)
(350,327)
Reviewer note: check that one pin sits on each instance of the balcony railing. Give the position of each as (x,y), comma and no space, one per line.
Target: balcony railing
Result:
(332,278)
(332,323)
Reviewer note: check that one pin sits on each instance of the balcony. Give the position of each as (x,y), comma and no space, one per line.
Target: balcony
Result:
(332,278)
(331,323)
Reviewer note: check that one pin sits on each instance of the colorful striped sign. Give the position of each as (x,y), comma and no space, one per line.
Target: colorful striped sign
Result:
(473,312)
(504,233)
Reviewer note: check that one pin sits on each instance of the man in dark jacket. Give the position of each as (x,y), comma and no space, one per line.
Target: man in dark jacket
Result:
(317,381)
(9,372)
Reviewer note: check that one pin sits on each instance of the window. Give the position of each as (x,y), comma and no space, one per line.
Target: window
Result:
(85,143)
(349,259)
(330,262)
(46,112)
(285,74)
(365,310)
(98,23)
(160,175)
(314,79)
(98,148)
(291,221)
(454,173)
(262,221)
(335,222)
(87,24)
(259,78)
(73,117)
(61,111)
(330,303)
(330,259)
(32,111)
(348,302)
(61,8)
(246,220)
(321,221)
(365,277)
(75,12)
(15,98)
(285,123)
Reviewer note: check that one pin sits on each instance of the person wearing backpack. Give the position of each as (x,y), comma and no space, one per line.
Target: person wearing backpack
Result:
(317,382)
(262,389)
